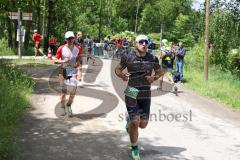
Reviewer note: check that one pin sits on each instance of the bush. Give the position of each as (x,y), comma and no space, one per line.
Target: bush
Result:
(15,89)
(4,49)
(195,56)
(233,61)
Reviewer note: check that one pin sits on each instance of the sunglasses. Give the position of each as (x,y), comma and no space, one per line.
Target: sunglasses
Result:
(70,38)
(143,41)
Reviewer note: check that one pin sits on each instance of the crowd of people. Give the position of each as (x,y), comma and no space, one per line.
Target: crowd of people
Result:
(135,56)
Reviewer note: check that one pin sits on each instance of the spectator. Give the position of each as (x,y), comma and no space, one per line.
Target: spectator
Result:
(180,59)
(52,42)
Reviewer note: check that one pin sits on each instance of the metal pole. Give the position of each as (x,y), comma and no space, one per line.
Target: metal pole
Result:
(161,33)
(206,39)
(19,33)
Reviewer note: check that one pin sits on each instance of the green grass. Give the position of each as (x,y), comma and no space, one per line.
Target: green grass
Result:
(16,88)
(32,62)
(4,49)
(221,86)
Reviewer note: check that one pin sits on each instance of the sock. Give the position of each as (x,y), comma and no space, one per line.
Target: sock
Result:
(69,105)
(134,146)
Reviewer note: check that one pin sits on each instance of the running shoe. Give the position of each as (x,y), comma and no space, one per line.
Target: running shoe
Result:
(135,154)
(68,111)
(127,124)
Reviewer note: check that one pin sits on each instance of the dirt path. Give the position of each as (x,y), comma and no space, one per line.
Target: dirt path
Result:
(201,129)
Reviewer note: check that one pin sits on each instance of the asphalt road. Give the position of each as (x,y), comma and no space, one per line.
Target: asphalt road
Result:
(184,127)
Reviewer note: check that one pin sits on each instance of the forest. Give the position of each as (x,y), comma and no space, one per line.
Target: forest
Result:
(101,18)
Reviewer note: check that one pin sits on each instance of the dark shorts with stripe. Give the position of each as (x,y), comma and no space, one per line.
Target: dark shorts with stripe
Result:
(138,107)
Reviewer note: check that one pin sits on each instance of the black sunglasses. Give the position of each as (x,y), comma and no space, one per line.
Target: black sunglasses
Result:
(143,41)
(70,38)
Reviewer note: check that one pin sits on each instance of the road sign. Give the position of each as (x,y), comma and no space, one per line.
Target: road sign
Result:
(19,16)
(13,15)
(25,16)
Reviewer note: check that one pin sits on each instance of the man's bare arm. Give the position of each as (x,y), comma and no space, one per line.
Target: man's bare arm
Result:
(120,74)
(158,73)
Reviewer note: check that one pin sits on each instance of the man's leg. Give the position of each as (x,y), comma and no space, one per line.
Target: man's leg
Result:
(40,51)
(133,134)
(63,98)
(72,95)
(63,94)
(52,49)
(144,105)
(132,125)
(36,51)
(161,82)
(177,68)
(70,100)
(180,64)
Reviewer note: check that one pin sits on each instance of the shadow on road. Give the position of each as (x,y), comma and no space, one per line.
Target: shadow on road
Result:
(54,139)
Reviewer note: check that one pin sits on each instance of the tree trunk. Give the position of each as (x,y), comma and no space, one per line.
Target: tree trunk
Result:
(48,25)
(28,36)
(136,21)
(15,35)
(38,16)
(9,30)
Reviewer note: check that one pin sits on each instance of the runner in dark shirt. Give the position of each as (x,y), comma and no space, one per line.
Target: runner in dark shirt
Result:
(139,65)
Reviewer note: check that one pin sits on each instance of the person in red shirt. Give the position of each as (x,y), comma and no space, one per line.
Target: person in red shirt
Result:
(37,39)
(69,56)
(52,42)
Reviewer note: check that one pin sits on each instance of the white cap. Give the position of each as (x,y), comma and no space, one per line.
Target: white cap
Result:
(69,34)
(35,30)
(141,37)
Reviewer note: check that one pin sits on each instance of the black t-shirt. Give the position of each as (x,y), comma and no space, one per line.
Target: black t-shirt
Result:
(139,67)
(80,41)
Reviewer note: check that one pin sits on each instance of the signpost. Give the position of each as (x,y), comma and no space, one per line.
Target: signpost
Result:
(19,16)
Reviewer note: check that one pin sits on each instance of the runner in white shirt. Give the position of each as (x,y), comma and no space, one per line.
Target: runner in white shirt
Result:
(70,58)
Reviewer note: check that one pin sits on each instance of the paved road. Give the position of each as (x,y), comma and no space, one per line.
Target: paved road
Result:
(201,129)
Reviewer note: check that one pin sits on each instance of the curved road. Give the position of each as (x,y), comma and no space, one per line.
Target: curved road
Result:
(184,127)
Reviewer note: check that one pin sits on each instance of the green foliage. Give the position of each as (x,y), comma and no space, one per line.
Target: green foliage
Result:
(187,39)
(222,86)
(4,49)
(233,61)
(162,11)
(126,34)
(154,36)
(224,35)
(195,56)
(15,89)
(122,24)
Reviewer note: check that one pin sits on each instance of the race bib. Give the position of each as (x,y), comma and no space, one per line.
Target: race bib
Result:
(71,72)
(71,82)
(131,92)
